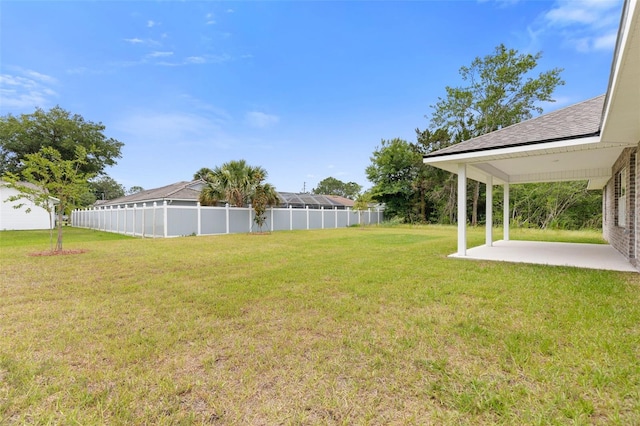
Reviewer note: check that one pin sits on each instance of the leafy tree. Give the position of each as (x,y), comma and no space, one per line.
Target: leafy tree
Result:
(106,188)
(393,170)
(134,190)
(565,205)
(363,202)
(500,91)
(50,175)
(333,186)
(58,129)
(264,195)
(435,188)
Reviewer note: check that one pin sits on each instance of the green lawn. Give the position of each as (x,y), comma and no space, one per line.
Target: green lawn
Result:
(346,326)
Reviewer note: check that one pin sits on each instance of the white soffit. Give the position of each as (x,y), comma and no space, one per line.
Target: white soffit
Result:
(585,159)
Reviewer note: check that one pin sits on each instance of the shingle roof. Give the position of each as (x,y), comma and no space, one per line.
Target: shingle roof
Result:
(190,191)
(573,122)
(175,191)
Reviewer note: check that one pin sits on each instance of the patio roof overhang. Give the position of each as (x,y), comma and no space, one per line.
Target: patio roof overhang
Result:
(585,158)
(563,154)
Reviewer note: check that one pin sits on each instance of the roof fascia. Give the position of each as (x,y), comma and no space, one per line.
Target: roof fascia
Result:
(519,150)
(623,34)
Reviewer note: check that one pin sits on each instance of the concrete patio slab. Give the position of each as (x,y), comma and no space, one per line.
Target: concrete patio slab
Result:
(593,256)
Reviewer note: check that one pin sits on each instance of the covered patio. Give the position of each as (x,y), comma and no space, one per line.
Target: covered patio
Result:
(581,142)
(591,256)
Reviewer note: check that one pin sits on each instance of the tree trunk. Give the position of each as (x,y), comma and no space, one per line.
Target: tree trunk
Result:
(59,241)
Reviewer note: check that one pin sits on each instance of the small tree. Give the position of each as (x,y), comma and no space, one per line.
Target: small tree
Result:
(362,202)
(264,195)
(51,176)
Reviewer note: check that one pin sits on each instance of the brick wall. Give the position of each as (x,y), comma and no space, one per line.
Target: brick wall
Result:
(623,238)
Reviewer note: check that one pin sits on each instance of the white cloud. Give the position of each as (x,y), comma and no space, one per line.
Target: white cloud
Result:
(261,120)
(196,60)
(210,19)
(151,24)
(134,40)
(605,42)
(159,129)
(584,25)
(595,13)
(27,89)
(159,54)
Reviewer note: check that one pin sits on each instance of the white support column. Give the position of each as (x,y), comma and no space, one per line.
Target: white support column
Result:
(506,213)
(462,209)
(489,212)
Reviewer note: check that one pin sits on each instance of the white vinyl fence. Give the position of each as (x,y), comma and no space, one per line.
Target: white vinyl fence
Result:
(166,220)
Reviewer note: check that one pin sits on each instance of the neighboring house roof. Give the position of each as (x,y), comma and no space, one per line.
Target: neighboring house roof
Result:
(32,187)
(573,122)
(342,200)
(186,191)
(190,191)
(313,200)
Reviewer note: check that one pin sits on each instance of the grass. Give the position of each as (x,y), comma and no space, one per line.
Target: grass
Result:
(346,326)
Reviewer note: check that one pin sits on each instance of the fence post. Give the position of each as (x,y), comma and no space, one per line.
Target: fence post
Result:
(335,217)
(199,217)
(369,221)
(307,209)
(165,219)
(290,218)
(250,210)
(322,213)
(226,206)
(153,217)
(126,208)
(133,225)
(144,213)
(272,213)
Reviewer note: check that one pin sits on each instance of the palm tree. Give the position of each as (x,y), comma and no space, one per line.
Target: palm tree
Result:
(202,173)
(234,182)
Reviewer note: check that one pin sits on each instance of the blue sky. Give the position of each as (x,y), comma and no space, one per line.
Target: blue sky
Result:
(305,89)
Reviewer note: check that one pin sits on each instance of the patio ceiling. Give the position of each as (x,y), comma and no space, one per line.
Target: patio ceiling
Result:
(569,156)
